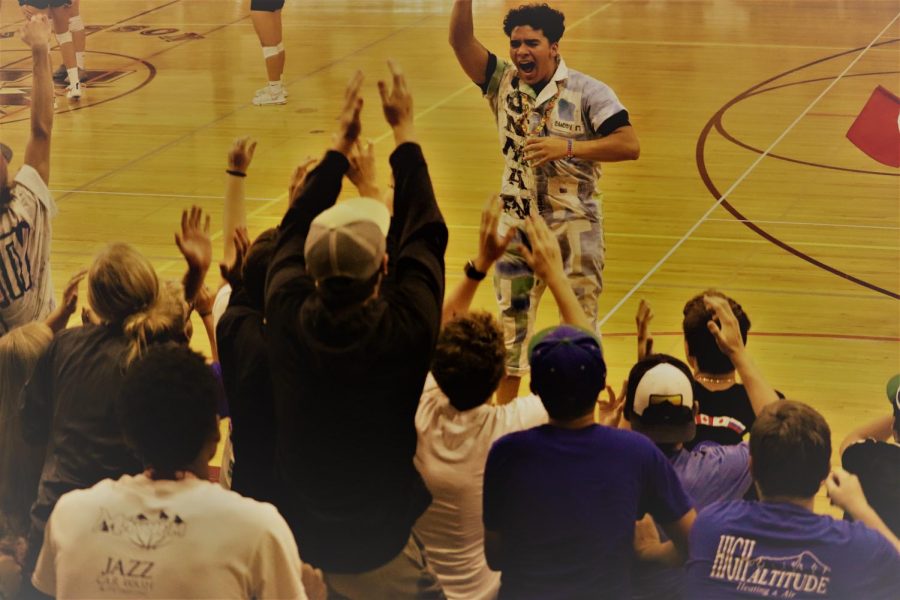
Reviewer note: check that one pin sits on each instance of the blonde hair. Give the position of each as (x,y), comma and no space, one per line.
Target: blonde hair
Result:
(123,289)
(20,350)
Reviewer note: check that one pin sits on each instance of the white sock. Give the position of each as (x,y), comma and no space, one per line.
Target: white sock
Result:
(79,59)
(275,88)
(73,75)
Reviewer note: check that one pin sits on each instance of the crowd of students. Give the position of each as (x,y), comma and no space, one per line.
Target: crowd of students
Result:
(364,435)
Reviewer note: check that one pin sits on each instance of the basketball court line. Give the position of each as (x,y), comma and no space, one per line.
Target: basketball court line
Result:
(748,45)
(283,197)
(105,28)
(740,180)
(188,135)
(418,116)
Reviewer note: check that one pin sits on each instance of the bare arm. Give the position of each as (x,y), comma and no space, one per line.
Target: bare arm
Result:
(621,144)
(36,34)
(728,338)
(490,248)
(235,213)
(678,532)
(846,492)
(203,304)
(472,56)
(545,260)
(59,318)
(881,429)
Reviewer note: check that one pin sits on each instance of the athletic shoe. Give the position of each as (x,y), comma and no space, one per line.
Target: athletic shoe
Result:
(73,92)
(268,98)
(265,90)
(61,75)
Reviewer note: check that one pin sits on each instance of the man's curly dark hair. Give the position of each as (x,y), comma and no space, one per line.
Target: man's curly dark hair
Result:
(537,16)
(470,360)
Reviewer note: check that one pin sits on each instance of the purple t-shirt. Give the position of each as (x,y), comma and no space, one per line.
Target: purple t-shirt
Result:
(565,502)
(709,473)
(774,550)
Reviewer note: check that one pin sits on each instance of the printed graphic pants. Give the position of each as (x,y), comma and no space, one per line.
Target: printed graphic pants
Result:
(519,292)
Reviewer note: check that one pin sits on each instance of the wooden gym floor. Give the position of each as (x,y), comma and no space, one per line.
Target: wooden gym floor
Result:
(808,240)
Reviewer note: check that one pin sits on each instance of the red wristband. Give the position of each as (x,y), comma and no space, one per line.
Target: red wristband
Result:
(570,148)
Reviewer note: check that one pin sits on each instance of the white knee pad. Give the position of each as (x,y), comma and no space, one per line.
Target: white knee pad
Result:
(64,38)
(76,24)
(270,51)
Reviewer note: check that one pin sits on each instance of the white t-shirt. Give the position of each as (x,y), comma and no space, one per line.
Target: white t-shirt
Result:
(451,453)
(220,304)
(139,538)
(26,292)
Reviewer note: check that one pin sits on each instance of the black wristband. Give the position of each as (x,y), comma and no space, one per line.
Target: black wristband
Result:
(235,173)
(473,273)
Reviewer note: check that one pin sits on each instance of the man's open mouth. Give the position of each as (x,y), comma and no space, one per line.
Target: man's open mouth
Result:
(527,67)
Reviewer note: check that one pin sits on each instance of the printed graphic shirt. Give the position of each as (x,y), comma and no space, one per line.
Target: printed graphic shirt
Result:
(26,292)
(772,550)
(139,538)
(572,105)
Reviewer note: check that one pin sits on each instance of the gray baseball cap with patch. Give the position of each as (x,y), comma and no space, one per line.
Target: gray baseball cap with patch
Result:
(348,240)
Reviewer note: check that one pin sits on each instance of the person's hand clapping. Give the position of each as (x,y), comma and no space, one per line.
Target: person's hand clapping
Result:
(397,104)
(350,126)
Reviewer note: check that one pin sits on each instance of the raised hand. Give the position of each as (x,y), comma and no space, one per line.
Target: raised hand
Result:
(36,31)
(59,318)
(642,321)
(724,326)
(70,293)
(233,273)
(241,154)
(845,491)
(298,177)
(490,245)
(397,104)
(349,126)
(609,412)
(544,257)
(313,582)
(362,169)
(193,241)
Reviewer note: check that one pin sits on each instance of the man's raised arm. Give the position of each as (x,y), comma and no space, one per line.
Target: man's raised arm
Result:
(472,56)
(36,34)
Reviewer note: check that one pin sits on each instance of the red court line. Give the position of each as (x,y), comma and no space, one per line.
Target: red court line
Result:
(788,334)
(700,158)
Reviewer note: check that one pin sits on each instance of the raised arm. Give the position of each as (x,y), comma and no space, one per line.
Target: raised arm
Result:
(846,492)
(725,329)
(545,259)
(880,429)
(36,34)
(196,248)
(490,248)
(472,56)
(234,214)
